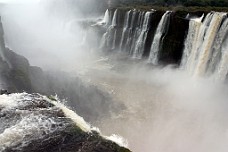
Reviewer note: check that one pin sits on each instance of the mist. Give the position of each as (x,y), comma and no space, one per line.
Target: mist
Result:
(166,110)
(170,111)
(48,33)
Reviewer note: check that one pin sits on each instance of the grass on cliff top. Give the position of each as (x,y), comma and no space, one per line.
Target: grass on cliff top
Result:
(173,8)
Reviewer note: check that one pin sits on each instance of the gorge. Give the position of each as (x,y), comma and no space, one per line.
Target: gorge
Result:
(158,78)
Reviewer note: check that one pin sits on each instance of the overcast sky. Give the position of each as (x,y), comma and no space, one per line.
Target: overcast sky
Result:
(18,1)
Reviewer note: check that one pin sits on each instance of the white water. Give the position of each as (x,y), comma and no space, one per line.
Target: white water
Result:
(108,39)
(140,43)
(222,69)
(34,125)
(106,19)
(205,43)
(134,33)
(159,35)
(114,20)
(189,50)
(129,33)
(166,109)
(125,29)
(31,126)
(137,31)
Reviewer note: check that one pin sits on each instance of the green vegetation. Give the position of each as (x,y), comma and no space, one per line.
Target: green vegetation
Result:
(174,5)
(174,8)
(202,3)
(53,98)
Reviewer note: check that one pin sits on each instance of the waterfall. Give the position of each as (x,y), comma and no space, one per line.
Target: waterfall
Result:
(216,48)
(208,39)
(194,26)
(106,19)
(114,40)
(205,49)
(131,30)
(108,39)
(114,20)
(134,32)
(159,35)
(137,31)
(103,40)
(205,45)
(222,68)
(113,29)
(140,44)
(125,29)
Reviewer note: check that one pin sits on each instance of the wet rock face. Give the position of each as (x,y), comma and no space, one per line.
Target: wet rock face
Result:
(16,75)
(30,122)
(173,43)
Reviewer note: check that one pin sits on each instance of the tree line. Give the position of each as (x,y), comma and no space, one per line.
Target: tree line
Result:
(215,3)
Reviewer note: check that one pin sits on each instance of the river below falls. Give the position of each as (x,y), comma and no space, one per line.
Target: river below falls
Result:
(166,110)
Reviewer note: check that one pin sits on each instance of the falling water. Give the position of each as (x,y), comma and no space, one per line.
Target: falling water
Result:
(125,30)
(222,68)
(140,44)
(114,20)
(106,20)
(109,37)
(194,26)
(218,48)
(114,39)
(137,32)
(131,31)
(205,49)
(205,45)
(160,33)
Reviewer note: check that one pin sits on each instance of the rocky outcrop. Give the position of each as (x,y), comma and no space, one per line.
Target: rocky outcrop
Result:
(16,75)
(173,42)
(32,122)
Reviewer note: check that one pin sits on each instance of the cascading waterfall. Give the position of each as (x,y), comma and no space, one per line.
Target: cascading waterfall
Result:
(106,17)
(109,37)
(114,20)
(190,50)
(125,29)
(130,31)
(137,32)
(134,32)
(217,46)
(106,20)
(222,68)
(114,40)
(204,48)
(114,24)
(205,45)
(140,44)
(160,33)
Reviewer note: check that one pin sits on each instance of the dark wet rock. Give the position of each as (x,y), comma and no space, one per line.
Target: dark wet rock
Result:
(2,91)
(173,41)
(16,75)
(44,127)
